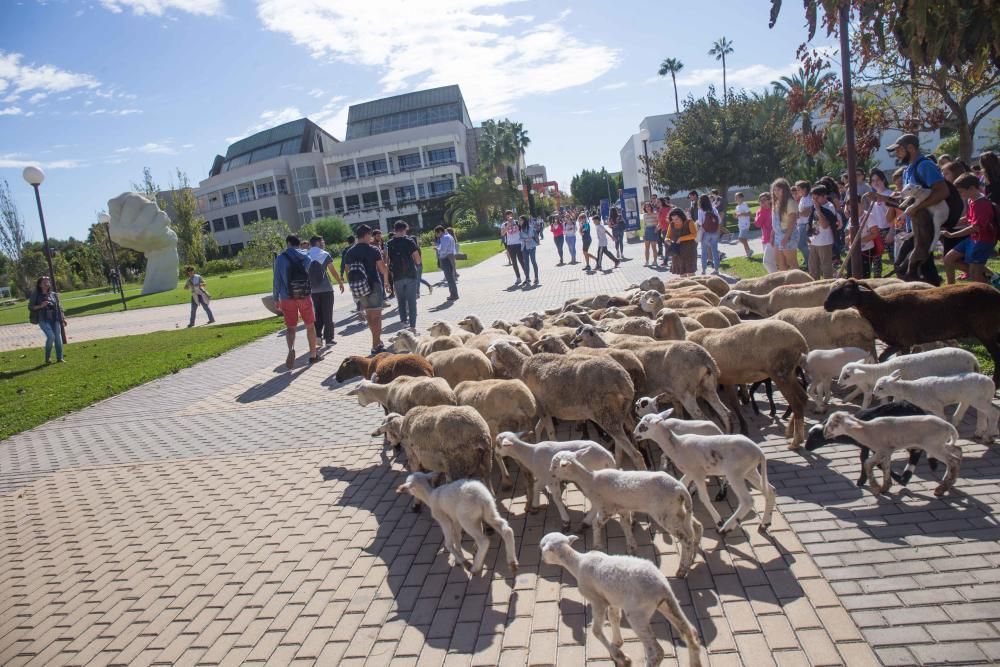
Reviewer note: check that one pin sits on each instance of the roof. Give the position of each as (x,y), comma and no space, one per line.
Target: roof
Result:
(295,128)
(405,102)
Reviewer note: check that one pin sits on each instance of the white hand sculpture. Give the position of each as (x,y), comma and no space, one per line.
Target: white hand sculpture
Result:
(139,224)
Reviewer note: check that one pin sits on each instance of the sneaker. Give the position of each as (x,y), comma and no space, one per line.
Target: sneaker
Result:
(190,325)
(318,357)
(412,330)
(211,321)
(536,282)
(377,350)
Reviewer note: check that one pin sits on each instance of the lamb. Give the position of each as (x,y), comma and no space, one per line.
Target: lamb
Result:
(623,492)
(682,426)
(441,328)
(885,435)
(765,284)
(934,393)
(385,365)
(462,505)
(752,351)
(474,325)
(824,366)
(504,404)
(666,327)
(404,393)
(913,194)
(808,295)
(535,461)
(460,364)
(627,359)
(940,362)
(616,584)
(714,283)
(902,320)
(406,341)
(604,392)
(815,438)
(697,456)
(824,330)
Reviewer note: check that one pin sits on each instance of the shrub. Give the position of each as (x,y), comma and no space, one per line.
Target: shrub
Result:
(214,267)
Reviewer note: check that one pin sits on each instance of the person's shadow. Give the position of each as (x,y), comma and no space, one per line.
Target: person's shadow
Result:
(265,390)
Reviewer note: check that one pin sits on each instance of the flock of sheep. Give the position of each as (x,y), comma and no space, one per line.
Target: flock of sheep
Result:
(669,365)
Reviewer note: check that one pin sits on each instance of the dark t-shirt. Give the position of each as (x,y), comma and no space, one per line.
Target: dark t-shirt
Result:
(370,257)
(401,249)
(51,313)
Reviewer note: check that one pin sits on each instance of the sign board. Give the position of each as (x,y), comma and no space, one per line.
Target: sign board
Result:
(605,209)
(629,203)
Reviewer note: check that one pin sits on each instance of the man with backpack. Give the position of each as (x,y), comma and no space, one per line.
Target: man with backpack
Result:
(404,267)
(366,275)
(320,271)
(292,295)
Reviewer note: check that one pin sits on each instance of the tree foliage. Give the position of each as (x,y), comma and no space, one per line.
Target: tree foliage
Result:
(267,240)
(480,195)
(13,237)
(672,66)
(501,143)
(589,187)
(721,48)
(186,222)
(333,229)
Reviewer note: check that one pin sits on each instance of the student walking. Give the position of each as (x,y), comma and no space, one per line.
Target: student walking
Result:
(366,273)
(320,272)
(585,239)
(602,242)
(291,291)
(45,311)
(616,223)
(708,221)
(512,236)
(529,246)
(199,295)
(743,223)
(404,267)
(556,227)
(446,251)
(569,233)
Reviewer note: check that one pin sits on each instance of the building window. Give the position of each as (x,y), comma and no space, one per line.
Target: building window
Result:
(338,205)
(249,217)
(370,200)
(408,162)
(232,222)
(405,194)
(376,167)
(270,213)
(421,191)
(352,203)
(228,198)
(441,156)
(218,225)
(347,172)
(265,189)
(282,186)
(235,248)
(245,194)
(438,188)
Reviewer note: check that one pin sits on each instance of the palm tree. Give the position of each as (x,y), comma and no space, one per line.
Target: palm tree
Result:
(501,144)
(722,48)
(475,193)
(807,86)
(672,66)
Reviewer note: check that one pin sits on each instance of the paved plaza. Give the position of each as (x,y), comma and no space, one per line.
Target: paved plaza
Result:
(237,513)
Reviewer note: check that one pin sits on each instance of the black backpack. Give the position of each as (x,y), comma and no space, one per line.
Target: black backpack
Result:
(298,277)
(317,275)
(401,259)
(954,200)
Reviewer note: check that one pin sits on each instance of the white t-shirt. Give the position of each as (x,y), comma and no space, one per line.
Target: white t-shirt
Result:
(805,208)
(880,213)
(602,234)
(743,216)
(569,229)
(513,233)
(824,235)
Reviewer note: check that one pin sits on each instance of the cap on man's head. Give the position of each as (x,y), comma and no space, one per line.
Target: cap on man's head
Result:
(905,140)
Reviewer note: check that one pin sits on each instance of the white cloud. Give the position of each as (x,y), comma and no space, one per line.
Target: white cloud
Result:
(11,111)
(753,76)
(152,148)
(614,86)
(580,112)
(40,78)
(160,7)
(13,161)
(37,97)
(317,93)
(114,112)
(496,58)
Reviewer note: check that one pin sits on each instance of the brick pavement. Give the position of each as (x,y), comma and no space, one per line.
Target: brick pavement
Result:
(190,521)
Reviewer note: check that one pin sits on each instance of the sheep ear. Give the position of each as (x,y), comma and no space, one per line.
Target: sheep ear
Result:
(666,414)
(573,538)
(896,374)
(438,479)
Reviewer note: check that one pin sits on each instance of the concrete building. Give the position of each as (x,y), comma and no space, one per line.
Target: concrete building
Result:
(403,156)
(537,173)
(652,130)
(266,175)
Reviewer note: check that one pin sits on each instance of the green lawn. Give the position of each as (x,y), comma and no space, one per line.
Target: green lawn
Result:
(476,250)
(33,393)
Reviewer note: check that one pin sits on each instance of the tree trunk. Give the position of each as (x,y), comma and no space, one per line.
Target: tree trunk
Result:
(725,96)
(677,101)
(724,193)
(965,137)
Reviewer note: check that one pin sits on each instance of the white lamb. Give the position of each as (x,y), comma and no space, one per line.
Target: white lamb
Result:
(822,367)
(462,505)
(942,362)
(737,458)
(535,460)
(622,584)
(622,492)
(934,393)
(914,194)
(885,435)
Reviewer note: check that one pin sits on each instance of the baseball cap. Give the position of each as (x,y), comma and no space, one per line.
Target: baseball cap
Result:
(905,139)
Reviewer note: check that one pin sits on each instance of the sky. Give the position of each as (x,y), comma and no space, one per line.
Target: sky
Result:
(95,90)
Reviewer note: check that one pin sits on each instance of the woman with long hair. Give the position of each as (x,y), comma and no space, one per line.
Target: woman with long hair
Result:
(529,245)
(682,244)
(991,175)
(584,226)
(784,220)
(556,227)
(650,232)
(616,223)
(46,311)
(711,230)
(882,214)
(569,233)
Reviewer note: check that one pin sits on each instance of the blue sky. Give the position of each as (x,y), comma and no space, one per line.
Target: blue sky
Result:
(95,90)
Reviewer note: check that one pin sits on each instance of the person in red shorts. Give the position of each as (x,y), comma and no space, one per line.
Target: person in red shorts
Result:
(292,295)
(979,236)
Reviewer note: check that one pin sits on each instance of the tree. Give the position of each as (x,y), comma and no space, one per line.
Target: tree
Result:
(722,48)
(589,187)
(478,194)
(148,187)
(752,137)
(267,240)
(672,66)
(333,229)
(501,143)
(802,91)
(13,238)
(187,224)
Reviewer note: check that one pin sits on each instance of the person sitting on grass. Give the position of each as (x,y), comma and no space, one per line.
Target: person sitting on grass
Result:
(979,235)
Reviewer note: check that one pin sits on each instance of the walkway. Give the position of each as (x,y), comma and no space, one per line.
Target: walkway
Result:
(235,513)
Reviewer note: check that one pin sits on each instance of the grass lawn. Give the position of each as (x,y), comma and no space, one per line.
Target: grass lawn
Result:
(476,250)
(33,393)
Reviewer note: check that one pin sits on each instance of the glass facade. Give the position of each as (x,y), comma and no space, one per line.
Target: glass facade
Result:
(232,222)
(406,193)
(228,198)
(375,167)
(249,217)
(245,194)
(270,213)
(265,189)
(408,162)
(438,188)
(347,172)
(405,119)
(441,156)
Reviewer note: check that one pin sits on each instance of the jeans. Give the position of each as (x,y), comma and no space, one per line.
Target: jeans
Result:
(323,307)
(571,246)
(528,258)
(516,260)
(709,243)
(406,299)
(559,247)
(194,309)
(804,242)
(53,334)
(620,243)
(448,266)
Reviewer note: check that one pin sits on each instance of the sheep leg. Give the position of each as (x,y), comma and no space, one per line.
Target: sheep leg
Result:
(757,482)
(960,411)
(599,520)
(863,477)
(493,518)
(710,393)
(746,504)
(623,445)
(600,614)
(631,546)
(702,487)
(796,397)
(729,398)
(687,531)
(855,392)
(953,462)
(474,528)
(505,481)
(911,465)
(555,497)
(723,489)
(884,464)
(545,427)
(640,625)
(615,619)
(690,404)
(672,612)
(769,391)
(869,467)
(530,493)
(452,537)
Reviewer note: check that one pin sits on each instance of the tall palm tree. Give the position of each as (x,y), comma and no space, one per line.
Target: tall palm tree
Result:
(722,48)
(474,193)
(672,66)
(806,85)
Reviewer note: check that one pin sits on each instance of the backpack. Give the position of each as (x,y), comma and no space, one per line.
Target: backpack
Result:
(401,259)
(954,200)
(317,275)
(357,278)
(298,278)
(711,222)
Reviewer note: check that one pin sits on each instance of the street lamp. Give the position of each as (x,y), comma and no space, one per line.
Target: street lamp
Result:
(645,152)
(105,219)
(497,180)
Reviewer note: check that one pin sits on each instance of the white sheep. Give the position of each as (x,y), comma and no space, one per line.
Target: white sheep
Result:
(441,328)
(623,492)
(462,505)
(934,393)
(945,361)
(424,345)
(535,460)
(913,194)
(737,458)
(885,435)
(823,367)
(614,585)
(404,393)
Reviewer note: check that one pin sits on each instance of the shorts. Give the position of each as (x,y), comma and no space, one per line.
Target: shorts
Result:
(292,309)
(373,300)
(651,234)
(744,233)
(974,252)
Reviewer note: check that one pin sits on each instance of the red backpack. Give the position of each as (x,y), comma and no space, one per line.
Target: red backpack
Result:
(711,222)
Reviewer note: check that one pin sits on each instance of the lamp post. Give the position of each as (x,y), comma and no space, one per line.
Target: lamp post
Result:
(645,154)
(34,177)
(105,219)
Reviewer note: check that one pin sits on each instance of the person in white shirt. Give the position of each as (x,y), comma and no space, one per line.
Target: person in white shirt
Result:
(743,222)
(880,211)
(512,233)
(803,198)
(602,242)
(821,224)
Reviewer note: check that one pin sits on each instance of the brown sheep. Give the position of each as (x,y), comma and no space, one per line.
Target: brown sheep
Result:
(385,365)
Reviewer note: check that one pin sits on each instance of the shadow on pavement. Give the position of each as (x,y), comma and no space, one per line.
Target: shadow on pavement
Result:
(275,385)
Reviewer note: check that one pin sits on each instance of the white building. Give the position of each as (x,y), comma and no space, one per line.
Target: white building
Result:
(537,173)
(646,142)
